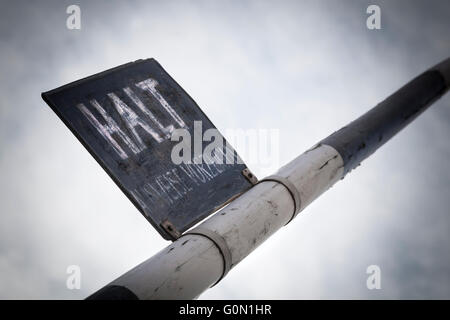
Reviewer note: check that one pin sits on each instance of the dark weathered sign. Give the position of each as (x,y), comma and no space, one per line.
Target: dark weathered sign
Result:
(154,141)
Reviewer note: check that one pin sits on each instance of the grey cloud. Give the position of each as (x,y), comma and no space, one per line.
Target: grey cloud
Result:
(306,67)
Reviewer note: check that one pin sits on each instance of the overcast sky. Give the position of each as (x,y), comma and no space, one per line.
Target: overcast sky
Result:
(303,67)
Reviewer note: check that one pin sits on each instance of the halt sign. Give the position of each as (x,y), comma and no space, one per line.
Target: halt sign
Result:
(144,130)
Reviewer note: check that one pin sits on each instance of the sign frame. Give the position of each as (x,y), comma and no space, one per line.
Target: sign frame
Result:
(126,118)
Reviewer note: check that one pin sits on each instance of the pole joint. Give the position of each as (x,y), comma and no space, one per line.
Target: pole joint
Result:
(220,243)
(293,191)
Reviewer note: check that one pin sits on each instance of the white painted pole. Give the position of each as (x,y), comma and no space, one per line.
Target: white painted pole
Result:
(194,262)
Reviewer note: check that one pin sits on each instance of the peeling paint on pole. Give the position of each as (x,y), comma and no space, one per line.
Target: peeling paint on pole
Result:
(194,263)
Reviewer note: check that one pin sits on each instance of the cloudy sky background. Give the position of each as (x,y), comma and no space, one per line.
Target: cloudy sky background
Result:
(304,67)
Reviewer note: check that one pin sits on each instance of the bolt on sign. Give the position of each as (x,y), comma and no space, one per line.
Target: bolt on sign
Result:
(133,119)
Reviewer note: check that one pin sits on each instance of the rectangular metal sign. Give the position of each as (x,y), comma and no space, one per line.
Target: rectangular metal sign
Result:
(154,141)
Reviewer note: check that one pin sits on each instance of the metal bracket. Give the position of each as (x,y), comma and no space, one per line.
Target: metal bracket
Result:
(295,194)
(250,176)
(170,229)
(220,243)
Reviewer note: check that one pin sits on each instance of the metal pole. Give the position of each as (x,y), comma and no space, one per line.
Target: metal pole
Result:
(203,256)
